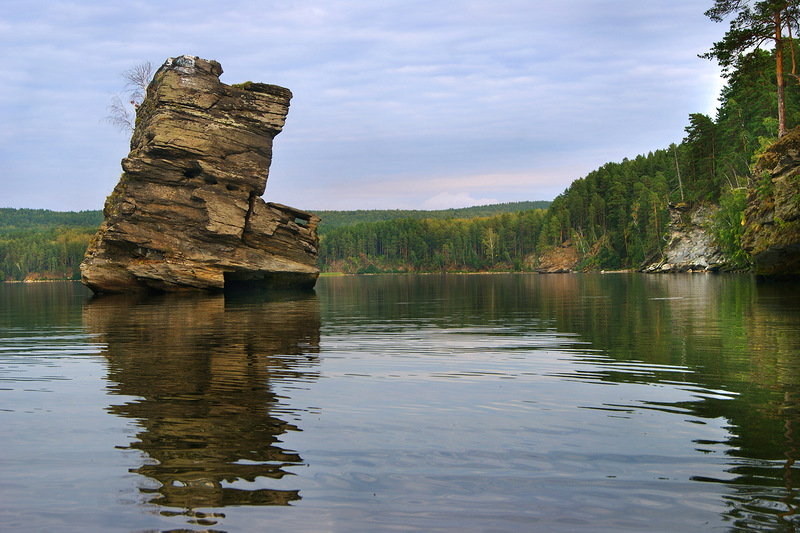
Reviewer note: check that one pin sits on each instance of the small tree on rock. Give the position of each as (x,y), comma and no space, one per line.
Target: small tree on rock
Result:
(122,115)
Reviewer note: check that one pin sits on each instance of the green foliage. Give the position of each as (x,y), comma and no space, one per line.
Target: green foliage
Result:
(619,210)
(764,186)
(336,219)
(753,24)
(728,226)
(426,245)
(32,219)
(47,242)
(765,141)
(616,216)
(750,27)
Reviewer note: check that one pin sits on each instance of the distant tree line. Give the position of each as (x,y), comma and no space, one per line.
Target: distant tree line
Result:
(337,219)
(410,244)
(46,242)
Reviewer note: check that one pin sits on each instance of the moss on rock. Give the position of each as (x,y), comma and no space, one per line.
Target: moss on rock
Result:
(772,219)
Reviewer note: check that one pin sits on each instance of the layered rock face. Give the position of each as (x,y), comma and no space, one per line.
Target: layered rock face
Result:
(772,218)
(187,212)
(691,246)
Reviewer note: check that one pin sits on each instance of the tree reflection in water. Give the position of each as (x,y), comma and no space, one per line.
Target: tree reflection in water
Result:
(740,340)
(202,373)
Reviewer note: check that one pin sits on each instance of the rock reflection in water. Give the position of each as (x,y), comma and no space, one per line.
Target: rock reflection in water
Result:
(202,371)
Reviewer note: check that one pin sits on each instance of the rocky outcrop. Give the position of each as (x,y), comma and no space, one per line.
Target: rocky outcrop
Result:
(772,218)
(559,260)
(691,246)
(187,212)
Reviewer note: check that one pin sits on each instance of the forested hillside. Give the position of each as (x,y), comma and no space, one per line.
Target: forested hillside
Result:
(616,216)
(49,243)
(336,219)
(620,208)
(427,245)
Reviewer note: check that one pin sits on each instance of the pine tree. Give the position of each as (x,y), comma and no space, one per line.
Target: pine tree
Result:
(754,23)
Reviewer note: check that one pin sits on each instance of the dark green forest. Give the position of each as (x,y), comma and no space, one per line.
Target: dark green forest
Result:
(336,219)
(48,243)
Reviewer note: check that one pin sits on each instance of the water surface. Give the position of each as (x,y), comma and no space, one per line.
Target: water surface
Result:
(613,402)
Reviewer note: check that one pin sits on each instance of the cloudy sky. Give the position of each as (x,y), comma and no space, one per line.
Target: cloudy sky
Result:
(397,103)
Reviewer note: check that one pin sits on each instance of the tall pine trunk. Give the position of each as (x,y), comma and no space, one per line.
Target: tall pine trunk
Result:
(779,74)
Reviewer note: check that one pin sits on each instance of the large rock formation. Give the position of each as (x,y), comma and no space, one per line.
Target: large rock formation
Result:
(691,245)
(187,212)
(772,218)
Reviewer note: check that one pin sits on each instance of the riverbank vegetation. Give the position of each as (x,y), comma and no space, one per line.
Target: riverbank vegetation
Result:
(614,217)
(42,244)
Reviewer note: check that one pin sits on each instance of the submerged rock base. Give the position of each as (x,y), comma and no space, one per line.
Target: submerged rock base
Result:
(187,212)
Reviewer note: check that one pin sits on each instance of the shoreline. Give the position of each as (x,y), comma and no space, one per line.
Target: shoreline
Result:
(480,273)
(56,280)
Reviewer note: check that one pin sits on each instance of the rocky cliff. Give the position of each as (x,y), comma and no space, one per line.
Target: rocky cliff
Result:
(187,212)
(691,246)
(559,260)
(772,218)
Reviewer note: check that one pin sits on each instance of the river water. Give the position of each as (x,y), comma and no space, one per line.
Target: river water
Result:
(509,402)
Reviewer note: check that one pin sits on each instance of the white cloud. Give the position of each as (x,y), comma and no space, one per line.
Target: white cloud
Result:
(447,200)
